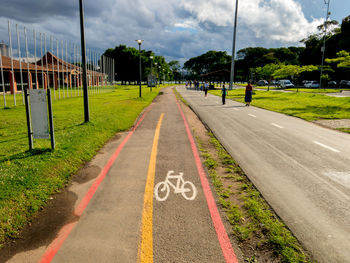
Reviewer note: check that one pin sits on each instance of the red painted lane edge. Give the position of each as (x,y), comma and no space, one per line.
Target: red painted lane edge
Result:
(221,233)
(56,244)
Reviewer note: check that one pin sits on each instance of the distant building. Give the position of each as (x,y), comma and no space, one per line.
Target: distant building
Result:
(4,49)
(49,71)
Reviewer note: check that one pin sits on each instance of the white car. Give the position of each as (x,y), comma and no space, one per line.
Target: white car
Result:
(286,84)
(312,84)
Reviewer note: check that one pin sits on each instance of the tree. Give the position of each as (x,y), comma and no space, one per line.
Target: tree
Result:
(208,62)
(175,68)
(292,71)
(342,60)
(126,61)
(254,57)
(267,71)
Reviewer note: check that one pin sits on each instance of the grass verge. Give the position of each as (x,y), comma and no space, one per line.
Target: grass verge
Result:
(254,224)
(29,178)
(303,105)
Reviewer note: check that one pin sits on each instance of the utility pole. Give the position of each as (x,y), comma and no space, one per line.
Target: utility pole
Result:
(323,50)
(233,49)
(83,56)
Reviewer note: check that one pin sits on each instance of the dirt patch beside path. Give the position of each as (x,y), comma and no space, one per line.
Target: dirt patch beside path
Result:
(335,124)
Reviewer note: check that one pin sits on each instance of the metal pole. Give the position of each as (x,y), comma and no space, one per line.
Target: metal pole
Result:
(36,66)
(53,71)
(67,70)
(13,73)
(83,54)
(29,126)
(52,133)
(88,66)
(2,80)
(29,75)
(62,61)
(233,48)
(75,69)
(78,70)
(324,41)
(46,63)
(92,72)
(20,61)
(113,71)
(41,58)
(140,66)
(151,72)
(96,65)
(70,69)
(58,71)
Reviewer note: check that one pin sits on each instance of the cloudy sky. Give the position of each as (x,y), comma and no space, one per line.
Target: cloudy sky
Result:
(176,29)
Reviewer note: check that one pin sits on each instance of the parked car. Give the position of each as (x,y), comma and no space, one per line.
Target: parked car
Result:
(286,84)
(344,84)
(312,84)
(332,84)
(274,82)
(304,82)
(262,83)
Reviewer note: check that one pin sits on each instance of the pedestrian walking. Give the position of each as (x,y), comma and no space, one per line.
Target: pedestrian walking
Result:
(206,87)
(248,94)
(223,94)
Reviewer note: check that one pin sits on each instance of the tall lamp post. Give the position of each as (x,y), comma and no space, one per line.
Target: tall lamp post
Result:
(151,57)
(324,40)
(83,56)
(233,48)
(139,41)
(155,63)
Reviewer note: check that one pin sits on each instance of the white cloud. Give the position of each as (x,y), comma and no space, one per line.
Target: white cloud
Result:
(176,29)
(278,20)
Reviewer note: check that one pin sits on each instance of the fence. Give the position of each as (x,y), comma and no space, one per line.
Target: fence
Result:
(57,68)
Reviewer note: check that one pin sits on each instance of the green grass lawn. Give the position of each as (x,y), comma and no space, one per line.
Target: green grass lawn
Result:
(315,90)
(56,94)
(29,178)
(307,106)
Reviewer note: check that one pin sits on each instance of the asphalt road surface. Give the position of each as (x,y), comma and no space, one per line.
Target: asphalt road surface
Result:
(149,201)
(302,170)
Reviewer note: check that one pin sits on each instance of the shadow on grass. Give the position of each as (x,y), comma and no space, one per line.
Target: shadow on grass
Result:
(268,98)
(316,110)
(26,154)
(74,125)
(15,139)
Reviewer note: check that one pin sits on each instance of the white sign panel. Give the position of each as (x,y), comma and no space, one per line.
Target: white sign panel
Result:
(38,108)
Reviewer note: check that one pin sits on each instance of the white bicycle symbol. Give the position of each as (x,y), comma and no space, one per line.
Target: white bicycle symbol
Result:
(186,188)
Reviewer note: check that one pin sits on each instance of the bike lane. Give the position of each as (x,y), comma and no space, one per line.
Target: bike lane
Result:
(178,229)
(184,229)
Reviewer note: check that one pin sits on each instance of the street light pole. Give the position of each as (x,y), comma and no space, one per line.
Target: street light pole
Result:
(155,63)
(140,42)
(324,40)
(83,55)
(151,57)
(233,48)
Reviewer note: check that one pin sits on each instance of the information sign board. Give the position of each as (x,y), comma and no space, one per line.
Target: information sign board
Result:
(38,108)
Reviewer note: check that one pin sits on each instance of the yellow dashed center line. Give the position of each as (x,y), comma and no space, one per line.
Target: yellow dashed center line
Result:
(146,245)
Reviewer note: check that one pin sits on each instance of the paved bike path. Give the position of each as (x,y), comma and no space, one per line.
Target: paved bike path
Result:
(120,225)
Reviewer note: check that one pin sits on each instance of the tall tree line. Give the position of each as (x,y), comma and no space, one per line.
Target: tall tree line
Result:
(126,66)
(251,58)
